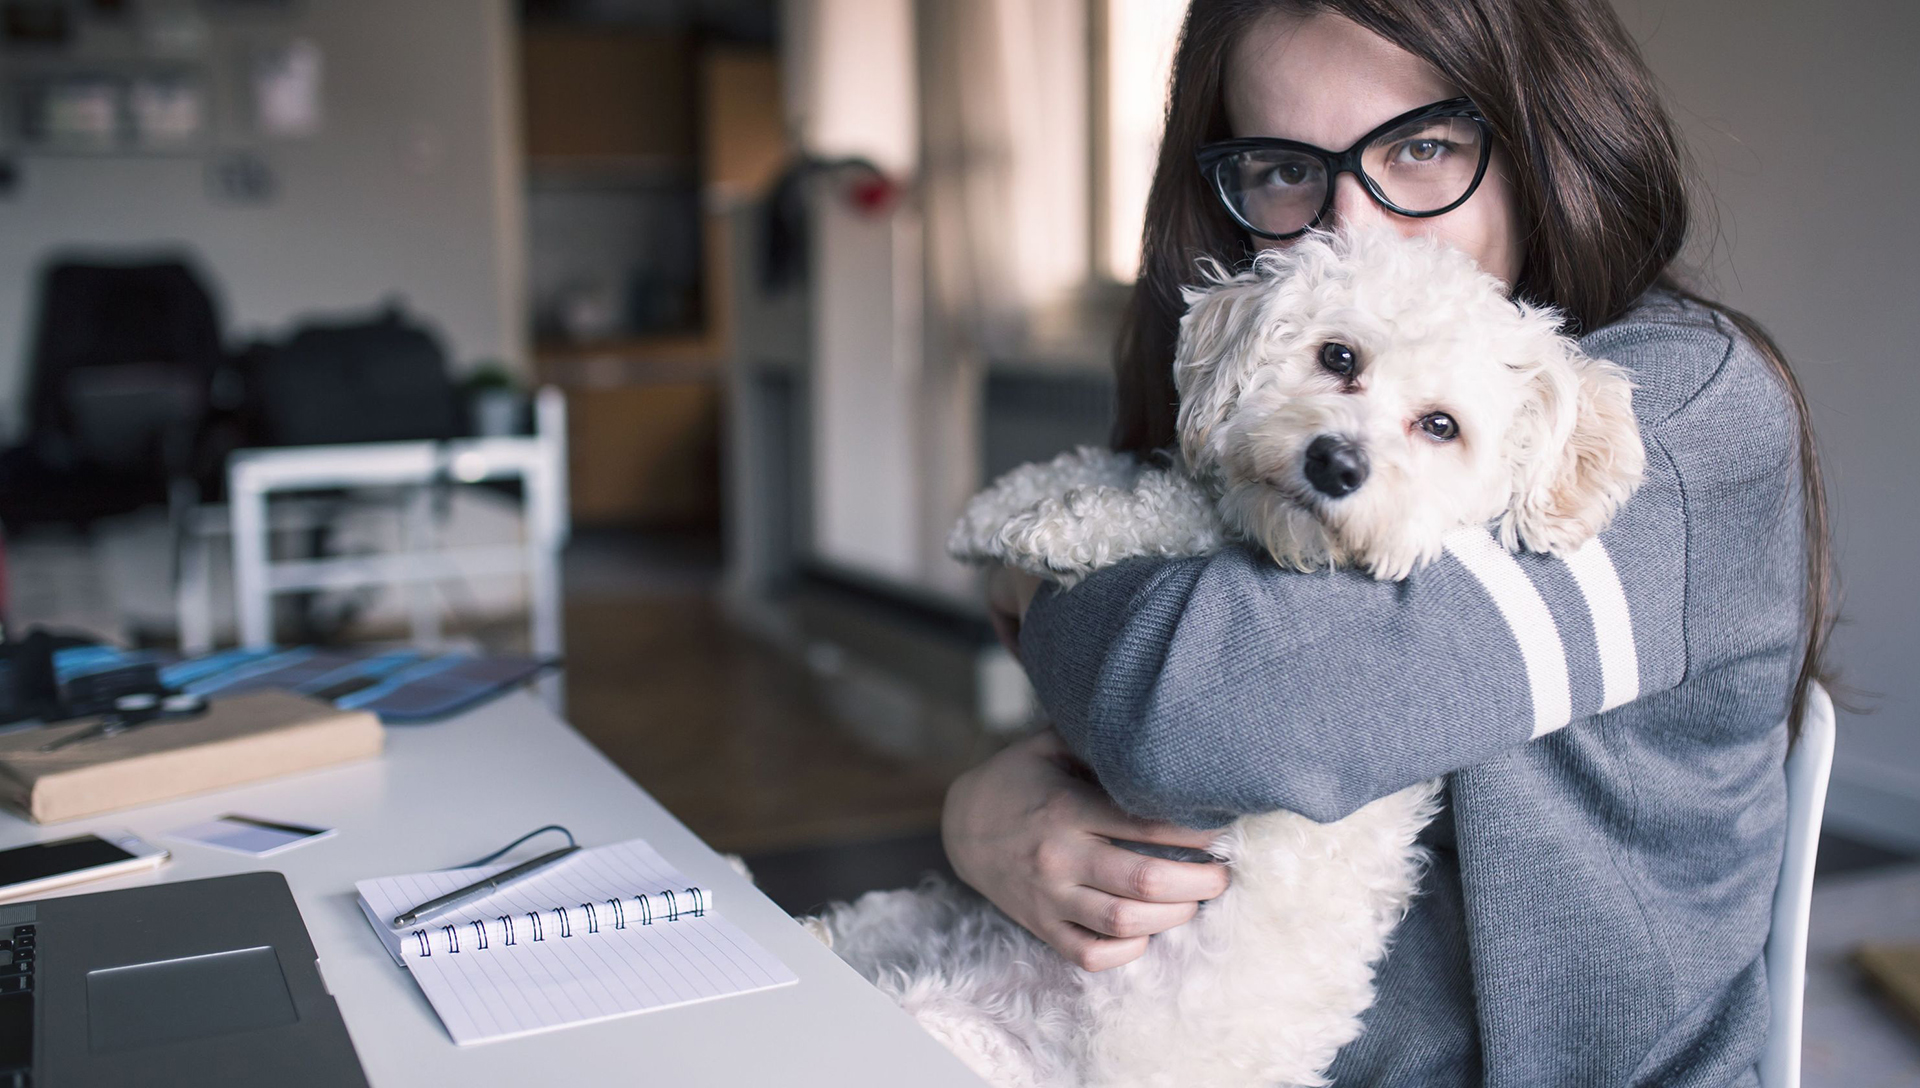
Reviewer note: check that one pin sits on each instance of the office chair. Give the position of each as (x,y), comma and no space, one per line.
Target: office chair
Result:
(119,381)
(1808,767)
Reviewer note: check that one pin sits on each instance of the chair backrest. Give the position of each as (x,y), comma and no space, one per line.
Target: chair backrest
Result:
(1808,766)
(123,358)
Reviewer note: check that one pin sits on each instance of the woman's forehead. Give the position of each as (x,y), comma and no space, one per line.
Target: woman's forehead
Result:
(1322,79)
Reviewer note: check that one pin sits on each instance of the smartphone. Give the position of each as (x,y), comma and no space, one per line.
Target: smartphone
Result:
(30,870)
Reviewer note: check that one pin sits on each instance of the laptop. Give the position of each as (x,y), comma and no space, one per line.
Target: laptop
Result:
(203,982)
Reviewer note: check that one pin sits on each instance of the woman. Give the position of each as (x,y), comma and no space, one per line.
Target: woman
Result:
(1598,902)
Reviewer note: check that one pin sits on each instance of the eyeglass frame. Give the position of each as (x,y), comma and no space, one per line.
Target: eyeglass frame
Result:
(1211,156)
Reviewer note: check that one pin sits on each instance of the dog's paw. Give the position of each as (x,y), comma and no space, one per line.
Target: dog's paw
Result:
(977,536)
(1083,511)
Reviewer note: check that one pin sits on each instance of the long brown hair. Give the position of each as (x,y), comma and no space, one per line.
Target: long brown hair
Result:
(1597,172)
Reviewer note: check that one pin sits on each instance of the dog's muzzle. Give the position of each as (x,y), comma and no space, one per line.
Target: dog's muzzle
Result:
(1335,466)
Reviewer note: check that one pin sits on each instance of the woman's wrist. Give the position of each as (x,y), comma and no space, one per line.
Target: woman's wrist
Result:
(1035,839)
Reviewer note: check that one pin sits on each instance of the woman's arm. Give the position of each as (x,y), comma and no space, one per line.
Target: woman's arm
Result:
(1200,690)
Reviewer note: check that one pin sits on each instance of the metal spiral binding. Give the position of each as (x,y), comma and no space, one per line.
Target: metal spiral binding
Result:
(665,905)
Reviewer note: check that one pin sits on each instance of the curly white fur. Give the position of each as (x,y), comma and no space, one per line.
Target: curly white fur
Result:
(1084,510)
(1267,982)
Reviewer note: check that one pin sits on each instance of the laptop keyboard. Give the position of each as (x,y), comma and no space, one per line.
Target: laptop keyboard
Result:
(16,1008)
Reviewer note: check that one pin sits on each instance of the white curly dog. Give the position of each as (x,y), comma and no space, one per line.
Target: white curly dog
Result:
(1345,401)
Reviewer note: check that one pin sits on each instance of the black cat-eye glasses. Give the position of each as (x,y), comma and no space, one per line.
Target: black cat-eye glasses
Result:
(1423,163)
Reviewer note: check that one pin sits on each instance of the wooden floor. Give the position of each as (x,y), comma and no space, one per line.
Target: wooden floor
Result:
(732,735)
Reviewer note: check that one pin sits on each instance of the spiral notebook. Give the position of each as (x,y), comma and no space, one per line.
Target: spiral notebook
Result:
(610,931)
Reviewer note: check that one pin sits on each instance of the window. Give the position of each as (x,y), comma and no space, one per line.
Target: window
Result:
(1133,45)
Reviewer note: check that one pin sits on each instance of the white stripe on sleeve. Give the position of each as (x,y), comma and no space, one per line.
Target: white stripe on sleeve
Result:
(1527,616)
(1612,623)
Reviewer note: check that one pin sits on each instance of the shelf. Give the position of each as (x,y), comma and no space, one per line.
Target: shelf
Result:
(624,361)
(550,172)
(603,92)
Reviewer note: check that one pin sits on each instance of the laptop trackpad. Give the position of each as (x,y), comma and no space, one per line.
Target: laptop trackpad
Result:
(145,1004)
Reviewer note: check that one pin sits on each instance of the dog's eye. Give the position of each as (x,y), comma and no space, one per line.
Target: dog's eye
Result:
(1338,358)
(1439,426)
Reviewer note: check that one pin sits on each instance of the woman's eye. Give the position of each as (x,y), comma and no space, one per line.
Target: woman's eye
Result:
(1338,358)
(1288,175)
(1422,150)
(1439,426)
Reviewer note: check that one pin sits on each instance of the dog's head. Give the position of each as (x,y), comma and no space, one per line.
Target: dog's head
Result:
(1353,398)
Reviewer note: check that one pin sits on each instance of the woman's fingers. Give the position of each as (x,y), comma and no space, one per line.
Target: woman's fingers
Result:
(1118,871)
(1089,860)
(1088,950)
(1047,742)
(1034,839)
(1114,916)
(1163,832)
(1098,813)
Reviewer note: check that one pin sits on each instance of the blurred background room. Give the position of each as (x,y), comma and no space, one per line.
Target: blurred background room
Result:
(697,321)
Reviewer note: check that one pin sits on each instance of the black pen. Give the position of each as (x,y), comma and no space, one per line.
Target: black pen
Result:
(454,898)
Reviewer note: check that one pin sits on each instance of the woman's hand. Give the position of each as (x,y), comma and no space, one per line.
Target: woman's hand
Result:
(1034,837)
(1009,592)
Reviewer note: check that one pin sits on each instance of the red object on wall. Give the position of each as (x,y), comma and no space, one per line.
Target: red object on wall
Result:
(873,194)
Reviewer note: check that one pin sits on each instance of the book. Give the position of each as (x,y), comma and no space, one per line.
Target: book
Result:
(247,738)
(609,931)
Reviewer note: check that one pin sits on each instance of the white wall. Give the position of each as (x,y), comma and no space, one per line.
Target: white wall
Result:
(848,67)
(851,91)
(411,189)
(1800,116)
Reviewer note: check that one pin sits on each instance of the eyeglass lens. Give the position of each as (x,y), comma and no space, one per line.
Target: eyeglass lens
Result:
(1422,166)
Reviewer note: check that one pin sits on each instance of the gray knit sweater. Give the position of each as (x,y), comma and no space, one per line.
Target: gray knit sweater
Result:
(1610,726)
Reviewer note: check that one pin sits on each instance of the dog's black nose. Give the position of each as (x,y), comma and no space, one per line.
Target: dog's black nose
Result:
(1335,466)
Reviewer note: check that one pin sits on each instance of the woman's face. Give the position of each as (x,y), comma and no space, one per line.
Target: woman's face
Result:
(1327,81)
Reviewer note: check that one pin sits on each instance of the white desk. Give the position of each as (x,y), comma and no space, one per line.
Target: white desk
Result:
(446,793)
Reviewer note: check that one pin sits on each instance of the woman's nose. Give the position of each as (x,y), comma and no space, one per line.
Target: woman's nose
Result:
(1352,207)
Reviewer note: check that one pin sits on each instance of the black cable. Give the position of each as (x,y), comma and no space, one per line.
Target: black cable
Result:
(504,849)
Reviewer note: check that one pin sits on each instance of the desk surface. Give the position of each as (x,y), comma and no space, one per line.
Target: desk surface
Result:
(449,792)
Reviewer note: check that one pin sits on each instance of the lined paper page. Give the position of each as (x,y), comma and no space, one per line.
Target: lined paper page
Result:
(533,985)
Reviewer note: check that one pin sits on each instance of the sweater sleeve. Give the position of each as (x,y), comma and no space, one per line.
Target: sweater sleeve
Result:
(1202,689)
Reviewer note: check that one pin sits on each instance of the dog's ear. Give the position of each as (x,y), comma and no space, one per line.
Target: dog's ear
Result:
(1216,333)
(1575,452)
